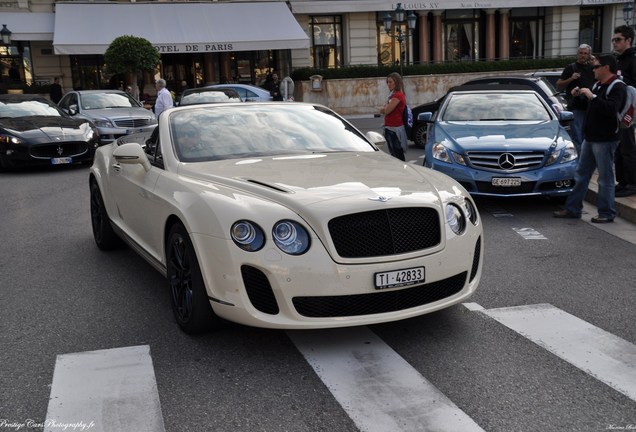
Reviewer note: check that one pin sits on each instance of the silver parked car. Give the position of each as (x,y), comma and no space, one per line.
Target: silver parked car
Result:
(248,93)
(113,112)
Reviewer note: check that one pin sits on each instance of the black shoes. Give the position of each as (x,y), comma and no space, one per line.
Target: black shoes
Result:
(601,219)
(565,214)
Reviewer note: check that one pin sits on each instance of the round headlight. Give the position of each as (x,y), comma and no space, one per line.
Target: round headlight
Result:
(291,237)
(247,235)
(471,211)
(455,218)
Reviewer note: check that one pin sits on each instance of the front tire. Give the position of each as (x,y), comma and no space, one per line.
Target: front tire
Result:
(103,233)
(189,298)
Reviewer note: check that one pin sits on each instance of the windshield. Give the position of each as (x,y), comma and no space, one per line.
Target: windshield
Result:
(210,96)
(238,131)
(107,100)
(481,106)
(27,108)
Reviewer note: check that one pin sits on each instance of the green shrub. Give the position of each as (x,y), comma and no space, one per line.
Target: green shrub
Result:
(304,74)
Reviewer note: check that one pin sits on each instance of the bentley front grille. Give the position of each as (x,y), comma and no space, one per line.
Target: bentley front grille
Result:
(513,161)
(379,302)
(385,232)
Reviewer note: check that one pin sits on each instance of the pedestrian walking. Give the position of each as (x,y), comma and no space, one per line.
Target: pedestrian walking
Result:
(578,74)
(164,98)
(622,41)
(601,137)
(394,131)
(274,88)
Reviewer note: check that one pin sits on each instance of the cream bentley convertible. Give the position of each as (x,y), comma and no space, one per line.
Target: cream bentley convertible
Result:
(283,215)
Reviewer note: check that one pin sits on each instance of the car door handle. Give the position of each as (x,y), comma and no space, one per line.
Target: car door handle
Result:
(117,167)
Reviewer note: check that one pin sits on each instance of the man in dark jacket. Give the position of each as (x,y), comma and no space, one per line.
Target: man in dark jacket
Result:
(56,90)
(601,137)
(626,154)
(578,74)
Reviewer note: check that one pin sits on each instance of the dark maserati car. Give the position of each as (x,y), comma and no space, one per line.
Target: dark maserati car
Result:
(34,131)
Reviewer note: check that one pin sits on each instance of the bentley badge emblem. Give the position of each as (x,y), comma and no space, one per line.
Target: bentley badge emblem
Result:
(380,198)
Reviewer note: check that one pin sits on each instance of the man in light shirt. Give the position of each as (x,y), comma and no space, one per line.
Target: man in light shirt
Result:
(164,98)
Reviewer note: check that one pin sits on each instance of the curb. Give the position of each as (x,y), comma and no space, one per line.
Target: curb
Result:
(625,207)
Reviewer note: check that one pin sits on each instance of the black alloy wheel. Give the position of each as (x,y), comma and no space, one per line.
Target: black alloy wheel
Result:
(189,298)
(103,233)
(419,135)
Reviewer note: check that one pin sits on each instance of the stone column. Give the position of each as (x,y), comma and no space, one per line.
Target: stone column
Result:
(438,37)
(209,69)
(425,50)
(504,35)
(490,34)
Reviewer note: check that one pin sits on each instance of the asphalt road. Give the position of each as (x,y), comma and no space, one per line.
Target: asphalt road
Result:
(62,296)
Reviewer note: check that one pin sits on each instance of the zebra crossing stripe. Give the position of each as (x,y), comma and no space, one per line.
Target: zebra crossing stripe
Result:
(377,388)
(603,355)
(108,391)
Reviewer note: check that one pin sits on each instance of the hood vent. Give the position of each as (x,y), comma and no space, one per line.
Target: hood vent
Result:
(268,185)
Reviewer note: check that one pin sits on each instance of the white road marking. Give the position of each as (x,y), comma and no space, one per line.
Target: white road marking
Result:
(110,390)
(603,355)
(377,388)
(529,233)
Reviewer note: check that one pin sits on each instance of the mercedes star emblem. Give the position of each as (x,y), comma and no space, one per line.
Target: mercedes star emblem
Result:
(506,161)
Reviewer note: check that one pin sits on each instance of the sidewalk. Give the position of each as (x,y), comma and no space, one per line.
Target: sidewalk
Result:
(625,207)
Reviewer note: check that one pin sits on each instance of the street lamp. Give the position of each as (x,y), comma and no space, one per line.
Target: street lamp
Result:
(628,12)
(398,15)
(6,35)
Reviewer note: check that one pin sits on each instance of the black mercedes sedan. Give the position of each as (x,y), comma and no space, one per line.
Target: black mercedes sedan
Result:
(34,131)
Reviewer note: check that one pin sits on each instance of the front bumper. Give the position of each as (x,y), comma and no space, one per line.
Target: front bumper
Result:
(274,290)
(555,180)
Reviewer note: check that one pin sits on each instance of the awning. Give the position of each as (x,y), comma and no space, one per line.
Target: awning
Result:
(29,26)
(342,6)
(89,28)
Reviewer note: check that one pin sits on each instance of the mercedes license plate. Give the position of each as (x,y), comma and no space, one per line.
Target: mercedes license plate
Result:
(61,160)
(506,181)
(399,278)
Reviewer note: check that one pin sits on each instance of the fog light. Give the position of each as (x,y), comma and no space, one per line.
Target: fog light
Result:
(10,152)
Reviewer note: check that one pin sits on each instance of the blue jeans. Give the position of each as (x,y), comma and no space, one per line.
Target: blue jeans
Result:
(599,154)
(395,147)
(576,129)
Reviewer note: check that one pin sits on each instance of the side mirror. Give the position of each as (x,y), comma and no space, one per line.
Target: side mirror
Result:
(566,116)
(72,109)
(426,117)
(376,138)
(131,153)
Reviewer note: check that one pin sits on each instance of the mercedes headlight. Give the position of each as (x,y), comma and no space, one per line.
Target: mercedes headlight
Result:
(440,152)
(103,123)
(455,218)
(566,154)
(247,235)
(291,237)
